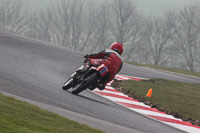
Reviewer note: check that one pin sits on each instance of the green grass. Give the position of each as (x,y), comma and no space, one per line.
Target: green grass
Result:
(21,117)
(168,69)
(183,98)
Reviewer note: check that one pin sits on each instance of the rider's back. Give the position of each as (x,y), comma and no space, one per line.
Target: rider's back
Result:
(113,61)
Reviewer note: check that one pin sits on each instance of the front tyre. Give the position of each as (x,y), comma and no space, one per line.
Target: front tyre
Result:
(90,80)
(68,84)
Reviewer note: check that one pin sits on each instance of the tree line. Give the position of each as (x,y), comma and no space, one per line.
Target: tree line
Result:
(171,40)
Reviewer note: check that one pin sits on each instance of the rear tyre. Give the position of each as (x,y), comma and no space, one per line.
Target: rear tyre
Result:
(68,84)
(89,81)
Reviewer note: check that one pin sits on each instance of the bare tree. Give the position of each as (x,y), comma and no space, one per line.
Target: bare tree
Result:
(62,23)
(198,42)
(158,34)
(32,27)
(72,24)
(40,25)
(102,26)
(45,24)
(88,35)
(187,35)
(12,16)
(76,18)
(136,39)
(123,19)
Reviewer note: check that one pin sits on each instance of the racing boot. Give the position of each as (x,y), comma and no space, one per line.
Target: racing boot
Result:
(101,86)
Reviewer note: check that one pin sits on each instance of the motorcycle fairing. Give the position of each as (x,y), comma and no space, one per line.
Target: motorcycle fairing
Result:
(95,62)
(102,69)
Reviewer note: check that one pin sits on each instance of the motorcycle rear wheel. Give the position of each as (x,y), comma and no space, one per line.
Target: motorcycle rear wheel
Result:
(90,80)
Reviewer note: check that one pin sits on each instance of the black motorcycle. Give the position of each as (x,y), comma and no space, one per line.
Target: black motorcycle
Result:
(89,76)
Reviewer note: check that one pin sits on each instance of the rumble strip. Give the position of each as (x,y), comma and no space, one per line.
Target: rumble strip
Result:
(132,104)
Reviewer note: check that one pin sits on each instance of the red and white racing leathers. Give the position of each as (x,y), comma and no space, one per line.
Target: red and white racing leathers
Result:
(111,59)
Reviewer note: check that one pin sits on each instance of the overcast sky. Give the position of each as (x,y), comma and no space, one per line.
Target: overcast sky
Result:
(147,7)
(157,7)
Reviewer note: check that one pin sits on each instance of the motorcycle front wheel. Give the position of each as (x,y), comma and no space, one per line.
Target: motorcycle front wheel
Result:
(68,84)
(88,81)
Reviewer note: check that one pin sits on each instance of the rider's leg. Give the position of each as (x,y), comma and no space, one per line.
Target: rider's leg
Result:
(101,85)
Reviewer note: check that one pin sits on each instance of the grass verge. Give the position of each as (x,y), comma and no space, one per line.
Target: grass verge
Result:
(181,71)
(175,98)
(21,117)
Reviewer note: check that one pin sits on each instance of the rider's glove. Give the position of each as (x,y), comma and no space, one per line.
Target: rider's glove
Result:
(86,59)
(86,56)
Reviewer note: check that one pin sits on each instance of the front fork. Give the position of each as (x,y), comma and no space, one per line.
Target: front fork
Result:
(80,74)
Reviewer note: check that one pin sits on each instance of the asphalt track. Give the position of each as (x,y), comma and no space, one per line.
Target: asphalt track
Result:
(35,70)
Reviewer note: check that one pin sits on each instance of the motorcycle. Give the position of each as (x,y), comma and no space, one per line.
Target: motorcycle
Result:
(89,76)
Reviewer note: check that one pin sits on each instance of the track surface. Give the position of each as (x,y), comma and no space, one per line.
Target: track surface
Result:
(36,70)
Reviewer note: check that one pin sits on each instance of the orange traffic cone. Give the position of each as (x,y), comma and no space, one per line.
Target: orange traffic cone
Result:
(149,93)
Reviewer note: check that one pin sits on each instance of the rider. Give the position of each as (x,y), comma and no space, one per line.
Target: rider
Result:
(112,59)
